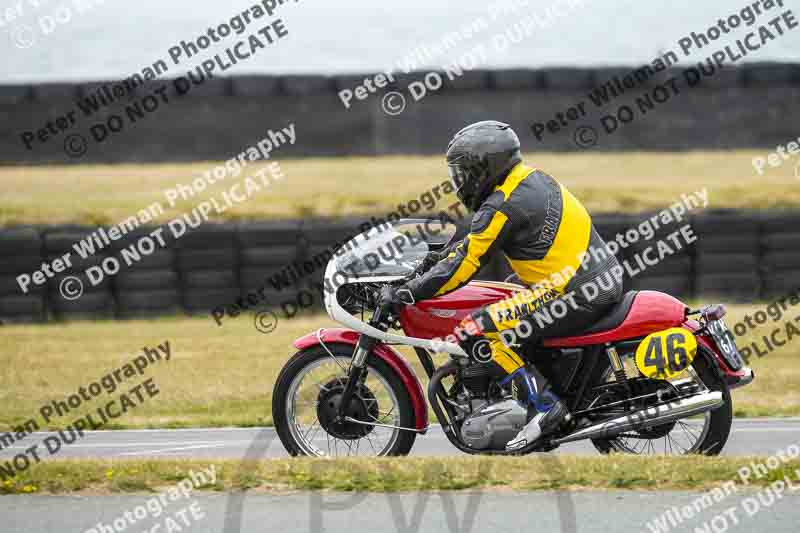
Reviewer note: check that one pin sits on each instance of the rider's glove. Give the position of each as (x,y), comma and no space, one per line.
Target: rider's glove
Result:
(430,260)
(394,298)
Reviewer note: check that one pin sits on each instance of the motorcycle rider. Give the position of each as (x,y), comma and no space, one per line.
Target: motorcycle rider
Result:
(547,236)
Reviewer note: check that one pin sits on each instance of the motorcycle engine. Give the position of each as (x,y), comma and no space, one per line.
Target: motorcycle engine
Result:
(492,425)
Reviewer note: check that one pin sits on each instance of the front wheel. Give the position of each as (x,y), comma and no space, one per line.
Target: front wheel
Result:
(305,405)
(705,434)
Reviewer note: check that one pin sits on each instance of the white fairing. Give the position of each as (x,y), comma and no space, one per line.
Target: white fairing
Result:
(380,256)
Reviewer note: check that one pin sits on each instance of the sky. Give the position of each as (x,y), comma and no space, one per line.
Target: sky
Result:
(79,40)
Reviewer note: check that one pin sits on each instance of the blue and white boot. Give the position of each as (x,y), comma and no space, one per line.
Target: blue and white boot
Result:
(542,424)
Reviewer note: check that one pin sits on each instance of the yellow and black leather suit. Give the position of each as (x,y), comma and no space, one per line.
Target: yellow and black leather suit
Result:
(546,235)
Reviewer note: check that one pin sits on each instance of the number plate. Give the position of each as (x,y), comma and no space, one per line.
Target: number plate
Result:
(726,343)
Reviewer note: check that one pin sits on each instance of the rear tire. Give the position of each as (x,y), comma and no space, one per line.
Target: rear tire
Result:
(301,360)
(721,419)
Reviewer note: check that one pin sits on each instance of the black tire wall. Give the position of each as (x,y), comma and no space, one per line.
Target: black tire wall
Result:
(739,256)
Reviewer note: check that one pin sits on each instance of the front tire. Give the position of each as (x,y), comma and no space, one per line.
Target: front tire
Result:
(382,398)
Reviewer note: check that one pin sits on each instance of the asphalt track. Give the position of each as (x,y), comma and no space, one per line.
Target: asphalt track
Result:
(466,512)
(755,436)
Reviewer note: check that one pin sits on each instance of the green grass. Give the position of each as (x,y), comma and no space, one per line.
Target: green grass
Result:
(397,474)
(605,182)
(223,376)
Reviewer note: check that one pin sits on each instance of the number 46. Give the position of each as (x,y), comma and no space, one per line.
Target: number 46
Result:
(676,357)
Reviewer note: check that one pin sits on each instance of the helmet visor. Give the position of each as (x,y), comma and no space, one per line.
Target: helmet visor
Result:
(463,181)
(458,175)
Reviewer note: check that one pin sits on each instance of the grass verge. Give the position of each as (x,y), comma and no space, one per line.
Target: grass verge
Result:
(398,474)
(605,182)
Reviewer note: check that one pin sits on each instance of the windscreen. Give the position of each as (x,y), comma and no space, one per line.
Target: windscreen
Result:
(392,249)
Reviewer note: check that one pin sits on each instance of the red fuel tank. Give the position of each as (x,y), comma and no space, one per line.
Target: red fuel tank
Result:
(438,317)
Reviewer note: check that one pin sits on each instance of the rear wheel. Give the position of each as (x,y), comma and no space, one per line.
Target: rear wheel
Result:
(704,434)
(306,399)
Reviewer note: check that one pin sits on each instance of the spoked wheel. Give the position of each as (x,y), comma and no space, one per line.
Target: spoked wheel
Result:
(703,434)
(307,399)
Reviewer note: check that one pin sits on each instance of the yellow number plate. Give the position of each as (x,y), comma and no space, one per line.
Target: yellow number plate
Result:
(665,354)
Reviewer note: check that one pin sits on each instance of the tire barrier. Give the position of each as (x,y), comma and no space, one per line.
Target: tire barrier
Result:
(780,262)
(729,267)
(739,256)
(208,267)
(149,286)
(269,252)
(743,95)
(20,252)
(88,297)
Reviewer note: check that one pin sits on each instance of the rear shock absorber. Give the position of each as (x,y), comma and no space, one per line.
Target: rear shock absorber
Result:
(619,369)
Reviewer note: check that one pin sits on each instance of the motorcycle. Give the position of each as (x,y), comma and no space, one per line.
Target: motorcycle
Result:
(651,377)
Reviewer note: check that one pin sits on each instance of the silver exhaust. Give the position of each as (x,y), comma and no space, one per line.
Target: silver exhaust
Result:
(653,416)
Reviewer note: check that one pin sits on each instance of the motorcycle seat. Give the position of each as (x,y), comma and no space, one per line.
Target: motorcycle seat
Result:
(615,317)
(638,314)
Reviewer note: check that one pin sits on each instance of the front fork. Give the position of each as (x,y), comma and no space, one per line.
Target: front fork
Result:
(356,371)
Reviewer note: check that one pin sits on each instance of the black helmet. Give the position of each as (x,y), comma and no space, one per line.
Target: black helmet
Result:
(479,157)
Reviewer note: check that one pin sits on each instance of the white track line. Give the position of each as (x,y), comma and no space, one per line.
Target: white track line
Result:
(740,430)
(169,450)
(134,444)
(750,425)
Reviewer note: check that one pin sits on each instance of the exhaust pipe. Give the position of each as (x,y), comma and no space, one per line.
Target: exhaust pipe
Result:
(652,416)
